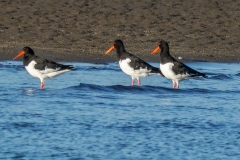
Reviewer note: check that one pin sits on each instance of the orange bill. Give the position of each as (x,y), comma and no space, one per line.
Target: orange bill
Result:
(109,50)
(19,55)
(155,50)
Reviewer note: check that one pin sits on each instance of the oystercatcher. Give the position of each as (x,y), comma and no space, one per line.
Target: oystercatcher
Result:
(41,68)
(132,65)
(173,69)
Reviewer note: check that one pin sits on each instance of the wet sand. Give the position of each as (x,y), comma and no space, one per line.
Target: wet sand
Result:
(82,31)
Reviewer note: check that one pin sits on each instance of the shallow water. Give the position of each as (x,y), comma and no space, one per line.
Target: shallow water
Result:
(94,113)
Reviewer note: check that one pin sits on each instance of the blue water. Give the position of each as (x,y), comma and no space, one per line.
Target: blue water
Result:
(94,113)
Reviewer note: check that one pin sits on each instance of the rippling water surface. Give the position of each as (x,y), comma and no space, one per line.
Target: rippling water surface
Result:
(94,113)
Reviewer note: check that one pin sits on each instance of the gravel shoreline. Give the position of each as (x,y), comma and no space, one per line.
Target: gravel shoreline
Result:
(82,31)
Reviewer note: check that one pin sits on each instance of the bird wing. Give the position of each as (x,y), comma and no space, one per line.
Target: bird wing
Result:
(47,66)
(139,63)
(184,69)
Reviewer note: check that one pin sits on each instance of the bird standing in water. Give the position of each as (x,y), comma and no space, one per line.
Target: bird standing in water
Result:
(39,67)
(132,65)
(173,69)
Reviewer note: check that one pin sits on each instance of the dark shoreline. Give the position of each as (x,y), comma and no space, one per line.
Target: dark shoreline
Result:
(69,56)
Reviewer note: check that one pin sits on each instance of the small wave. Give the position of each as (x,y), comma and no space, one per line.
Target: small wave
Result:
(238,74)
(139,89)
(192,125)
(98,67)
(221,76)
(119,88)
(199,90)
(102,68)
(19,125)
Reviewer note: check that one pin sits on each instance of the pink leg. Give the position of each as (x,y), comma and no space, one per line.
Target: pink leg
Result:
(139,82)
(133,81)
(173,82)
(42,85)
(175,85)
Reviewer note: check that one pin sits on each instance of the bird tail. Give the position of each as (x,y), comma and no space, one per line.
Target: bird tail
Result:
(203,75)
(198,74)
(157,71)
(68,67)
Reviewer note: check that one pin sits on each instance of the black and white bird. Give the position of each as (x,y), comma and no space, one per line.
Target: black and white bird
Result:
(39,67)
(173,69)
(132,65)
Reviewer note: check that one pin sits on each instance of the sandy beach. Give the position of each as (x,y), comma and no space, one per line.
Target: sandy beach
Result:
(81,31)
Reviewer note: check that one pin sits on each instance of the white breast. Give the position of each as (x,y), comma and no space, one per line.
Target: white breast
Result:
(168,72)
(33,71)
(124,65)
(126,68)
